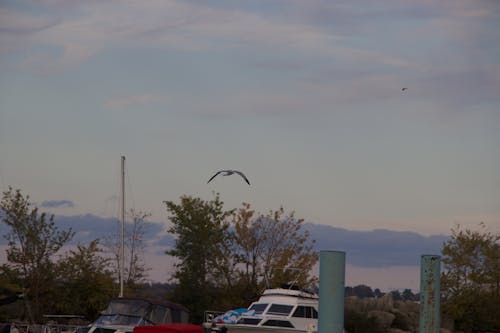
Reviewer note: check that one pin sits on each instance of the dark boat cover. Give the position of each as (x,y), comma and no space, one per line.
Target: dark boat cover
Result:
(170,328)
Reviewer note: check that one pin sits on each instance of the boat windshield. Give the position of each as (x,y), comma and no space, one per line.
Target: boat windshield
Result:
(120,319)
(127,306)
(258,307)
(280,309)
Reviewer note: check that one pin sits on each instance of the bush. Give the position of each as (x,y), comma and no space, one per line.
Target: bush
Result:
(358,322)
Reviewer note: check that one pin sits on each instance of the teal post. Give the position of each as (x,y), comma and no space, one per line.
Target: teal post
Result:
(331,291)
(430,294)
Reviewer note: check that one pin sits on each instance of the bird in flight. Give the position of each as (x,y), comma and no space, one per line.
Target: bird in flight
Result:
(228,173)
(403,89)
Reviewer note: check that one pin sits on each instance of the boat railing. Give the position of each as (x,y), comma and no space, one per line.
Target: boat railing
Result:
(211,314)
(17,327)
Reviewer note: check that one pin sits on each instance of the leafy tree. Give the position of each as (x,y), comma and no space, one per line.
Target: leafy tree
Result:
(32,240)
(201,229)
(378,293)
(396,295)
(274,248)
(363,291)
(360,322)
(408,295)
(85,283)
(135,269)
(471,279)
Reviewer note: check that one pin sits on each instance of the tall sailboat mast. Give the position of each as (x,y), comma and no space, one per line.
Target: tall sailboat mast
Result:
(122,242)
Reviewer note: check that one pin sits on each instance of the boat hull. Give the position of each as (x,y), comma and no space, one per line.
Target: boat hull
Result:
(235,328)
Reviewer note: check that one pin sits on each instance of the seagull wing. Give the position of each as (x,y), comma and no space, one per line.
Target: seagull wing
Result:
(242,175)
(214,176)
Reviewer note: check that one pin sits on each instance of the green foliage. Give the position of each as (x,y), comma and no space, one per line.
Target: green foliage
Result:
(201,230)
(470,282)
(273,246)
(85,284)
(359,322)
(135,270)
(32,240)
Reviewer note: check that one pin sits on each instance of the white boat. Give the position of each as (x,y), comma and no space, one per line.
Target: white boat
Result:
(277,310)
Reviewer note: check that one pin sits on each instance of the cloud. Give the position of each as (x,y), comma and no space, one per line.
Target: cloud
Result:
(57,204)
(376,248)
(133,101)
(88,28)
(373,248)
(18,23)
(89,227)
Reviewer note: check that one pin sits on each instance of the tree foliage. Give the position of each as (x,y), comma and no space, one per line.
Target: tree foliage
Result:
(32,240)
(85,283)
(135,269)
(274,249)
(234,255)
(201,229)
(471,280)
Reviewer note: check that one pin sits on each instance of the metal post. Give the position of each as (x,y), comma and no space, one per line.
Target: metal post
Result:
(331,291)
(122,241)
(430,293)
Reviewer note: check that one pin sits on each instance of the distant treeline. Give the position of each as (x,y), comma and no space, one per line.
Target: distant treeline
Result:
(361,291)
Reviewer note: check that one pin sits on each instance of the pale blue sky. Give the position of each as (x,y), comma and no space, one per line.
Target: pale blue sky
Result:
(303,96)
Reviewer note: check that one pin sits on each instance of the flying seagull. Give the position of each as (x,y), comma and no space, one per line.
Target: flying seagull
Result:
(403,89)
(229,173)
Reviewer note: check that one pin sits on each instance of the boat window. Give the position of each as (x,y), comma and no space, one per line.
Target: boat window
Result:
(305,312)
(300,312)
(278,323)
(258,308)
(314,313)
(249,321)
(280,309)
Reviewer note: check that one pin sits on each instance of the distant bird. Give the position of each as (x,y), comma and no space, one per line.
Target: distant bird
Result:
(229,173)
(403,89)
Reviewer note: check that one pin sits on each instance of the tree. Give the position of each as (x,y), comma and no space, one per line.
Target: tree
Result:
(274,248)
(85,283)
(32,241)
(408,295)
(135,269)
(470,282)
(363,291)
(201,230)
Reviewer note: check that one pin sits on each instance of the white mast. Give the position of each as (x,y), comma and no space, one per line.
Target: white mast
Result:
(122,243)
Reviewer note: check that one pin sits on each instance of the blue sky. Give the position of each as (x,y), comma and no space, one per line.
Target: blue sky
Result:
(303,96)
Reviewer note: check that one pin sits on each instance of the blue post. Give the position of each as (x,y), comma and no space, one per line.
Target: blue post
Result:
(331,291)
(430,293)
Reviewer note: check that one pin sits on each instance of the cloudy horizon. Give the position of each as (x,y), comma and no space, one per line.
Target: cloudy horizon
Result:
(372,256)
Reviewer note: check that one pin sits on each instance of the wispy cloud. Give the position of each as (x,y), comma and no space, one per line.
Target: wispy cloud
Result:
(133,101)
(15,22)
(57,204)
(89,28)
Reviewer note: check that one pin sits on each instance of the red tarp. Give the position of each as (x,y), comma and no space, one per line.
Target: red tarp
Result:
(169,328)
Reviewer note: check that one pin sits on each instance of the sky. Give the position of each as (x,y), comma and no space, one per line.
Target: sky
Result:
(304,97)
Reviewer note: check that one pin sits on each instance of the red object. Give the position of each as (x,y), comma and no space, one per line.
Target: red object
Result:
(170,328)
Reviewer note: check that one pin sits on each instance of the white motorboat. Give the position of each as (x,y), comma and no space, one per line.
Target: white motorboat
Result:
(277,310)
